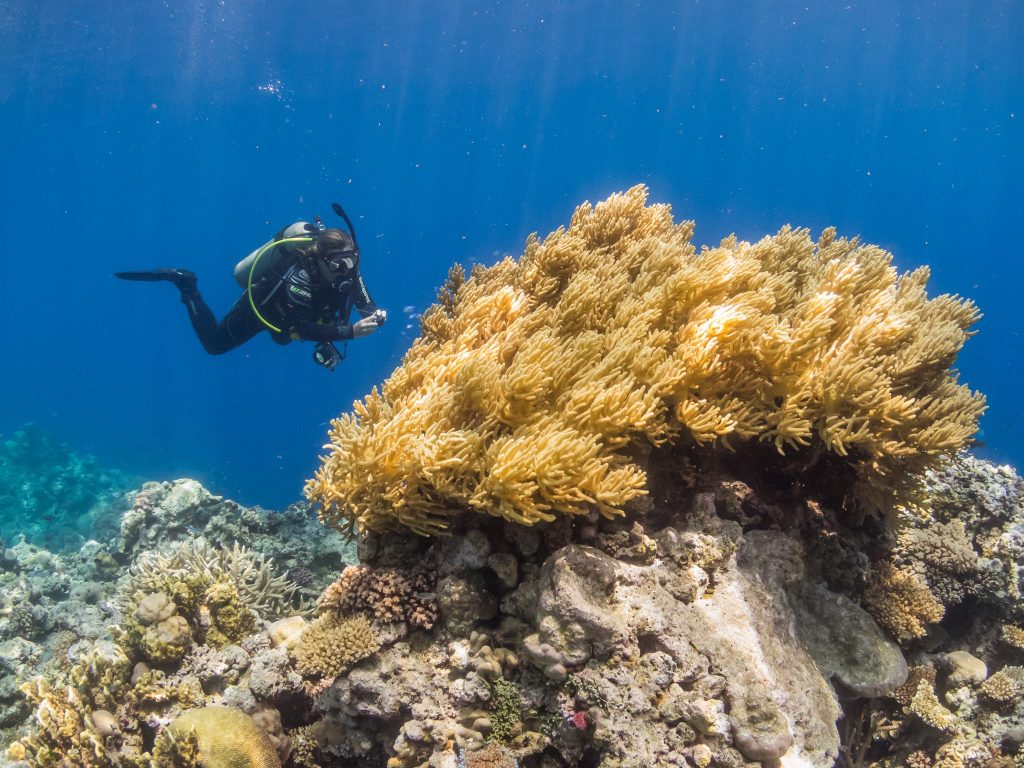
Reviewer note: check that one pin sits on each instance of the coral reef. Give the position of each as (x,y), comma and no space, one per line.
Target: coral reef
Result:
(653,465)
(189,615)
(727,648)
(707,628)
(533,381)
(652,664)
(54,497)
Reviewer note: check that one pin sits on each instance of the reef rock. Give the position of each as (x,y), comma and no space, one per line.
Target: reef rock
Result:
(776,638)
(720,641)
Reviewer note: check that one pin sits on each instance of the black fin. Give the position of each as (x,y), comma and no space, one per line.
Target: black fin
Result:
(150,276)
(181,278)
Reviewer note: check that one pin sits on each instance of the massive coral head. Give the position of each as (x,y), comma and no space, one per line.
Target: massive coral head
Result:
(533,380)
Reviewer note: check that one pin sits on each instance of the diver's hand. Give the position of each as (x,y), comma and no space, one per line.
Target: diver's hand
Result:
(365,327)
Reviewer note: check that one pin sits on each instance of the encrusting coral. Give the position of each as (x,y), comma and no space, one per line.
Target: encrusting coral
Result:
(532,379)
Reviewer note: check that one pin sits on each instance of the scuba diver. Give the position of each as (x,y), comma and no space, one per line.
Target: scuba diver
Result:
(302,285)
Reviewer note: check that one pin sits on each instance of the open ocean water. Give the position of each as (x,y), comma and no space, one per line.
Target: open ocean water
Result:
(187,133)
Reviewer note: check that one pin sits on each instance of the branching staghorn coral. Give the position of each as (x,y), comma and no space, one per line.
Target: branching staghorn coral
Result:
(198,563)
(531,379)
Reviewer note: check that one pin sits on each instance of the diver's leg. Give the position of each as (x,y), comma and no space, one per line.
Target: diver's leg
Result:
(238,326)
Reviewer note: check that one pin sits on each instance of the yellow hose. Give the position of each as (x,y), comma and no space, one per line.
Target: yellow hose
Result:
(252,269)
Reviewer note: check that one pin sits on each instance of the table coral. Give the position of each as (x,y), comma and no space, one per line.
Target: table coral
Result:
(531,379)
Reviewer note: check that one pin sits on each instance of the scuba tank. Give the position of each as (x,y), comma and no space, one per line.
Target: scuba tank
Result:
(269,260)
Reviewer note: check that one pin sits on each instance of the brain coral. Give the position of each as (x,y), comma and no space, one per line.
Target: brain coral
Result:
(531,379)
(228,738)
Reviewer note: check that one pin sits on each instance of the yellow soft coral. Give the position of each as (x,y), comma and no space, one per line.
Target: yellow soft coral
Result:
(531,379)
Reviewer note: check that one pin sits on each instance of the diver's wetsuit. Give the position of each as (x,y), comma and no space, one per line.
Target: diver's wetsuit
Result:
(303,308)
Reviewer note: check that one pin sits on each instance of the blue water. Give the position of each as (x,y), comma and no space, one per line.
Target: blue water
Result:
(186,133)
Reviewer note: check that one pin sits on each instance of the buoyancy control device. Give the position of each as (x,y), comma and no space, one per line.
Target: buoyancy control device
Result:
(270,264)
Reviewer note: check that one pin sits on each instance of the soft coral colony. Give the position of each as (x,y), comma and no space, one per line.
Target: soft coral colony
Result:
(536,384)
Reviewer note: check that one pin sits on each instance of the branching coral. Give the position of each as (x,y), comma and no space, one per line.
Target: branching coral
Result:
(900,602)
(1005,686)
(926,705)
(72,722)
(197,564)
(332,644)
(1013,636)
(66,734)
(531,379)
(942,556)
(387,594)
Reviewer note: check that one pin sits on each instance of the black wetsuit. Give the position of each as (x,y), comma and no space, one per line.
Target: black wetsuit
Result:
(304,308)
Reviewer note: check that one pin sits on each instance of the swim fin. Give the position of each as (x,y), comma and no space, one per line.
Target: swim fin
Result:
(184,280)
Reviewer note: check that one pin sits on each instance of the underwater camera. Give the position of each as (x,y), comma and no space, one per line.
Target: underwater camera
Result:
(327,355)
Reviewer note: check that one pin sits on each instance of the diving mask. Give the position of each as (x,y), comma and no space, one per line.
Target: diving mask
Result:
(341,262)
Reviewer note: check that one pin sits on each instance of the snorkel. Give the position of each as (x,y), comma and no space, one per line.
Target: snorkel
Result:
(348,223)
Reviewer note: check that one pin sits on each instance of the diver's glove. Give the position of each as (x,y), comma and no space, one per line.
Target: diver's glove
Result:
(369,325)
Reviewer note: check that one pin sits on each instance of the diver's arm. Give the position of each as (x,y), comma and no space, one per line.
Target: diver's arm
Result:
(321,332)
(363,303)
(339,332)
